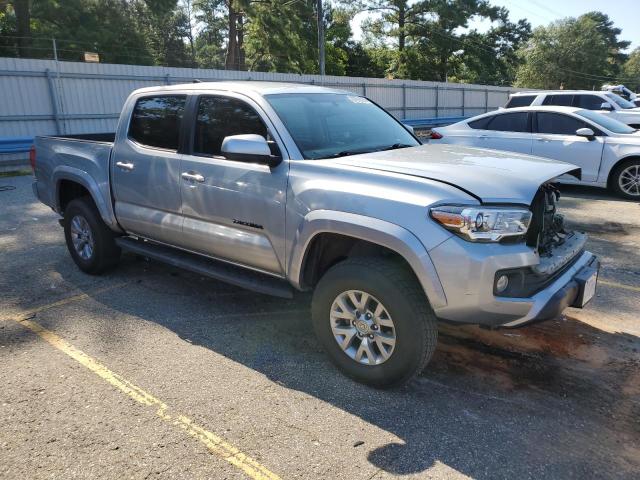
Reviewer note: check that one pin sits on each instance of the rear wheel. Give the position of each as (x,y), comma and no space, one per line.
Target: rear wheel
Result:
(625,179)
(89,241)
(374,321)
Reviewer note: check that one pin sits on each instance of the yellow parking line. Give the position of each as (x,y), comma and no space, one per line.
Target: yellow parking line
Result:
(64,301)
(619,285)
(215,444)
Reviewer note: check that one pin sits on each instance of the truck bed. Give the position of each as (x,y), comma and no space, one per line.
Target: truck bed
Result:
(83,159)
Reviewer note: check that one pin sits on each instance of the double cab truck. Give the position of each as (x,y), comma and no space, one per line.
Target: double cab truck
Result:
(280,188)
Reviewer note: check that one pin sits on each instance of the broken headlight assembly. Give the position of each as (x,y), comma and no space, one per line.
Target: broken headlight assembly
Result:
(482,224)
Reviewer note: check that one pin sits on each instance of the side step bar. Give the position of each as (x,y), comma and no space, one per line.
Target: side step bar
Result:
(241,277)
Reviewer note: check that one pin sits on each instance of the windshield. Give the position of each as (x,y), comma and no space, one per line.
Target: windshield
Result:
(606,121)
(621,102)
(326,125)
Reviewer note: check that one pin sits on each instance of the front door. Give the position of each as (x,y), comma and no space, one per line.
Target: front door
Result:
(145,169)
(556,138)
(232,210)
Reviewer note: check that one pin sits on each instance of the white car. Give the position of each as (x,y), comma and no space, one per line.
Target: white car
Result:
(607,151)
(604,102)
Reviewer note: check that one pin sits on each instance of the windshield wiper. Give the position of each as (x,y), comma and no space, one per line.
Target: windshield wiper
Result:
(395,146)
(346,153)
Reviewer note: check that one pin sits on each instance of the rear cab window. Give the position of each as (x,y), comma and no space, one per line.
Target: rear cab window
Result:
(156,121)
(520,101)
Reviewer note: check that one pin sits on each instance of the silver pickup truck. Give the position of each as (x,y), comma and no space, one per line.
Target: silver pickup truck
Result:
(277,188)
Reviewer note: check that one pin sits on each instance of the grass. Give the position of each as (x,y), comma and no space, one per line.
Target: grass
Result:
(15,173)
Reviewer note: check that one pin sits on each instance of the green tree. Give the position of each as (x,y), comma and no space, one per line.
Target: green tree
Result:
(165,28)
(211,17)
(631,71)
(616,47)
(425,35)
(282,36)
(491,58)
(571,52)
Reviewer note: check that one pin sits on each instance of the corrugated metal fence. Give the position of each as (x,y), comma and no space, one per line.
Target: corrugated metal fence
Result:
(39,97)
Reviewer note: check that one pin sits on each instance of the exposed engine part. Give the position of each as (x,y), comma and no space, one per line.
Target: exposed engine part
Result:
(547,226)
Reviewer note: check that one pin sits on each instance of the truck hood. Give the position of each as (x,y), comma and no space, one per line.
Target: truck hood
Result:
(490,175)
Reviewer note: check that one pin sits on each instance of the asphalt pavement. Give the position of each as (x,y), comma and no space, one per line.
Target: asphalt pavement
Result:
(151,372)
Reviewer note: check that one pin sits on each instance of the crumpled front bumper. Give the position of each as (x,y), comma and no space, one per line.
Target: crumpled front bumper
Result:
(564,292)
(467,272)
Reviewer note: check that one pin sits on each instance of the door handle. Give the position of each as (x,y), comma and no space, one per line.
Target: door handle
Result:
(540,139)
(193,177)
(125,166)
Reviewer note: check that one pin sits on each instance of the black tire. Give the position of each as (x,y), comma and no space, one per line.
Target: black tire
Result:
(105,253)
(614,182)
(395,286)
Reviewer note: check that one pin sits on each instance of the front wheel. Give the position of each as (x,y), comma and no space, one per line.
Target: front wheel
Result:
(625,179)
(89,241)
(374,321)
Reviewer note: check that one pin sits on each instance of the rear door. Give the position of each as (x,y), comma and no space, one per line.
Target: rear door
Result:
(555,137)
(145,168)
(234,210)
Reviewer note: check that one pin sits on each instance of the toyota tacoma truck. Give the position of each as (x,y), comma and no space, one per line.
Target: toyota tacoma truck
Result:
(280,188)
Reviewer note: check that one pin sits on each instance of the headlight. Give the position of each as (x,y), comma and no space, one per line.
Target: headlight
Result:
(483,224)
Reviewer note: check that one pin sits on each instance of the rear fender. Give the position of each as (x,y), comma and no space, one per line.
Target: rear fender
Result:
(99,193)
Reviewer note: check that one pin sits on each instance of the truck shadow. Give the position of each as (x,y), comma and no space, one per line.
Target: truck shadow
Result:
(529,402)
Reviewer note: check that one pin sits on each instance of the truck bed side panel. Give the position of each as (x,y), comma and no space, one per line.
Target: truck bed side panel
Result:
(82,161)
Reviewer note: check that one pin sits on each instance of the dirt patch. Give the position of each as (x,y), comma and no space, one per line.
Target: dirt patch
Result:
(564,358)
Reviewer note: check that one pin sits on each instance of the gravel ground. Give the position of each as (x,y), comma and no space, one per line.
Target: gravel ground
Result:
(557,400)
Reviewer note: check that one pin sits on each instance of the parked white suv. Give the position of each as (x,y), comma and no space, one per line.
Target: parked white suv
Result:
(604,102)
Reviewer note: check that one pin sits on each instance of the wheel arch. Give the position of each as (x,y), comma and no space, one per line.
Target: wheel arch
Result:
(367,234)
(615,166)
(71,183)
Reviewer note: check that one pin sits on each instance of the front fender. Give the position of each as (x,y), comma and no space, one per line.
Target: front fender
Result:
(99,193)
(373,230)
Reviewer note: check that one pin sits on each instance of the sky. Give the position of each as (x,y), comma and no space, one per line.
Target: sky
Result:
(542,12)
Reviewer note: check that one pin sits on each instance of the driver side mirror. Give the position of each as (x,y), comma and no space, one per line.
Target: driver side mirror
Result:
(587,133)
(606,106)
(249,148)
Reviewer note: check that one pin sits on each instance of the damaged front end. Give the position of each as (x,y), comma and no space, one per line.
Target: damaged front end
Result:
(556,246)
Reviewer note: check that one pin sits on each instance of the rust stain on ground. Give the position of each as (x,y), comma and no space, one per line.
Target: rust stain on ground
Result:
(600,370)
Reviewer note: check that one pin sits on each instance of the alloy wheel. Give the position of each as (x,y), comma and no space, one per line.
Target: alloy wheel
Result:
(362,327)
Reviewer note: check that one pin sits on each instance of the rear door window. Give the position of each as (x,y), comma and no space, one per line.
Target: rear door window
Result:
(520,101)
(481,123)
(220,117)
(558,124)
(155,121)
(561,100)
(509,122)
